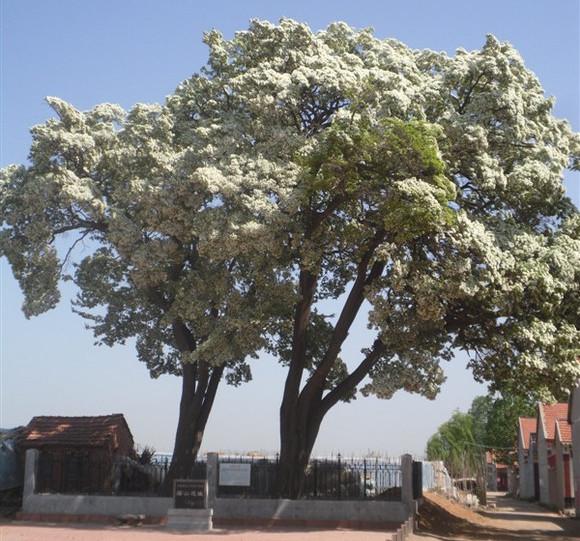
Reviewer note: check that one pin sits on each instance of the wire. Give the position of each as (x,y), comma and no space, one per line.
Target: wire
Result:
(491,447)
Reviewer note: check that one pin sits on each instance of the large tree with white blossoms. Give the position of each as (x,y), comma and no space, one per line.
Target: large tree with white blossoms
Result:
(421,191)
(424,187)
(118,184)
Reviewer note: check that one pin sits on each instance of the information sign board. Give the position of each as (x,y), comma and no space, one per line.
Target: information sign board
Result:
(235,474)
(190,493)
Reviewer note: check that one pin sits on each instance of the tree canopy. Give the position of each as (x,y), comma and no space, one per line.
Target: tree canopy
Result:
(455,444)
(495,422)
(336,153)
(491,424)
(119,182)
(429,186)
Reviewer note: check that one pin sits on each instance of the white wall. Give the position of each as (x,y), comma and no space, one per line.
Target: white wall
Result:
(526,463)
(543,465)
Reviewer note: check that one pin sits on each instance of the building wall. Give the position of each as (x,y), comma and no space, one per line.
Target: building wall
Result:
(526,464)
(492,477)
(543,465)
(527,477)
(310,510)
(84,504)
(559,492)
(227,509)
(575,419)
(125,442)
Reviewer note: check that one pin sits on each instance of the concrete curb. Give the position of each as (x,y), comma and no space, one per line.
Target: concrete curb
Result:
(404,531)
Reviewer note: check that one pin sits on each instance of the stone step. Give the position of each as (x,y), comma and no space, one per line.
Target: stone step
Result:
(190,520)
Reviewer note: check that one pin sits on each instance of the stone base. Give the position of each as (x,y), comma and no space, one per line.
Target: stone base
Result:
(190,520)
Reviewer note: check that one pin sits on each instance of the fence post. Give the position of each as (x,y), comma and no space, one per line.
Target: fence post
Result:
(212,478)
(30,473)
(364,478)
(275,488)
(407,479)
(339,478)
(316,478)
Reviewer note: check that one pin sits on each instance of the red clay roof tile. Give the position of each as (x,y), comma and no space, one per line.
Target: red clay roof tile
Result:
(565,429)
(95,431)
(549,414)
(528,426)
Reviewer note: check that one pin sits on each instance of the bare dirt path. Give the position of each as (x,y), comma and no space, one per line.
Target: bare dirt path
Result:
(511,520)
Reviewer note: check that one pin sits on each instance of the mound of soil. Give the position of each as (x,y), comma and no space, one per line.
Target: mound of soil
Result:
(440,516)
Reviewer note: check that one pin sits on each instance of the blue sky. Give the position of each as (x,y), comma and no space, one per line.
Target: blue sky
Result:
(129,51)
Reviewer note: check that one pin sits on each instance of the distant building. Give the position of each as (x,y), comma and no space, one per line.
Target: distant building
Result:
(527,456)
(77,452)
(551,459)
(491,470)
(564,482)
(497,474)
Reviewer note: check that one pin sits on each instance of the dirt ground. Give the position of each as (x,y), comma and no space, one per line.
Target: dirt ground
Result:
(511,520)
(43,532)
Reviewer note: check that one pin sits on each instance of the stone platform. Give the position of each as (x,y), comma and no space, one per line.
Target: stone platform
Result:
(190,520)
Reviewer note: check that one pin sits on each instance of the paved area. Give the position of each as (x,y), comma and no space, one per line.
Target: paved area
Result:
(16,531)
(511,520)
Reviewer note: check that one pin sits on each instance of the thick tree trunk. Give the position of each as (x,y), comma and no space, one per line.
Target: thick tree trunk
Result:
(300,424)
(302,410)
(199,386)
(290,432)
(301,432)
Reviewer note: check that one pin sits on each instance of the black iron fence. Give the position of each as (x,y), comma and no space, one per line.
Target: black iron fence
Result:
(78,473)
(326,479)
(238,477)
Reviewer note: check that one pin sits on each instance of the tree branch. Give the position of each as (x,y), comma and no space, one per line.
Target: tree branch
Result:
(347,315)
(69,251)
(467,95)
(307,287)
(215,378)
(184,339)
(353,379)
(319,217)
(80,224)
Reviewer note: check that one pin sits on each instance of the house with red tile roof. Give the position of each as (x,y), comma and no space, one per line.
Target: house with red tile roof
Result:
(77,450)
(108,432)
(574,420)
(553,455)
(564,486)
(527,457)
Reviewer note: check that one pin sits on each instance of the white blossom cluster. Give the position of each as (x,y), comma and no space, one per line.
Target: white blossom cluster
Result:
(299,151)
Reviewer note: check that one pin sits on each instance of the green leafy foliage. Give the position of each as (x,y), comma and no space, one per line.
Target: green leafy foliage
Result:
(455,444)
(491,424)
(495,420)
